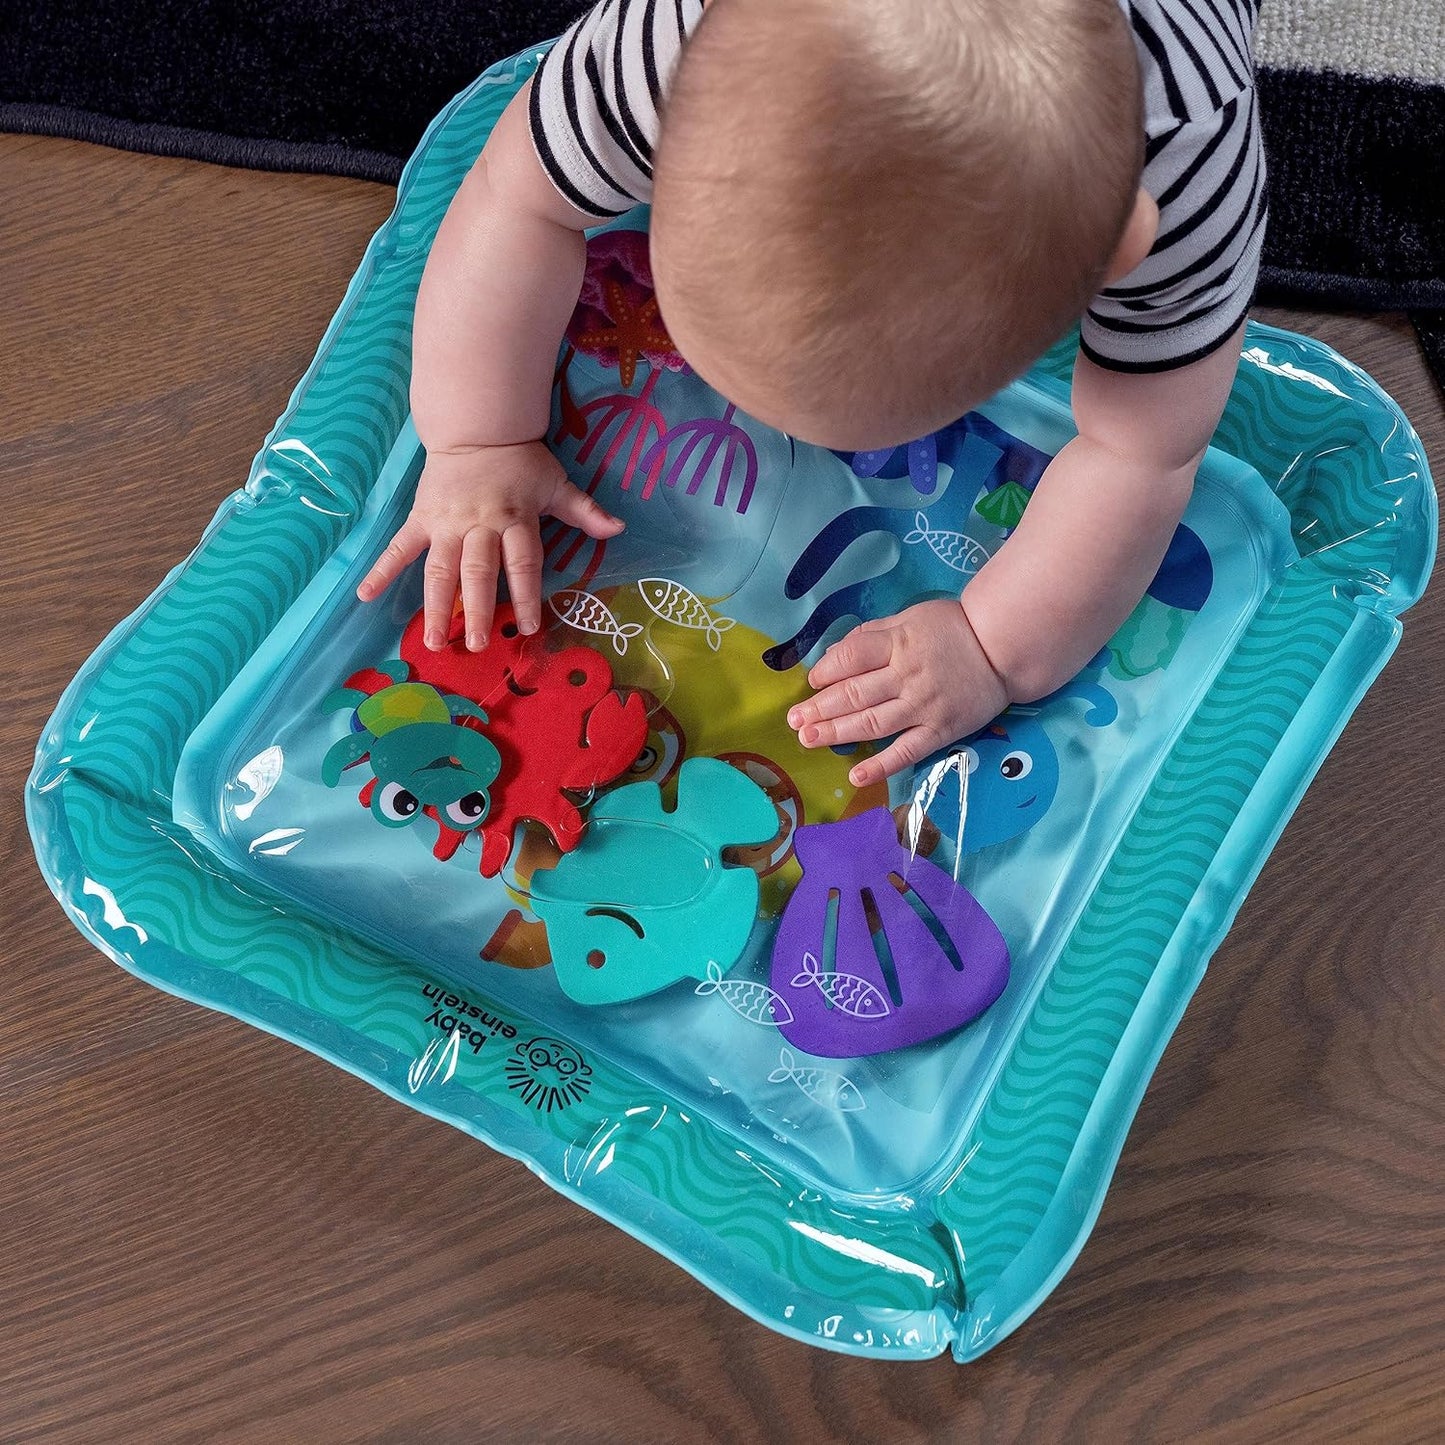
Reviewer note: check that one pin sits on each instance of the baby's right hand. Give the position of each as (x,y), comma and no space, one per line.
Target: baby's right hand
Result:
(477,509)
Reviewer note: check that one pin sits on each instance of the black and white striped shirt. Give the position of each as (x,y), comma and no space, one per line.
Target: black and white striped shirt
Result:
(596,103)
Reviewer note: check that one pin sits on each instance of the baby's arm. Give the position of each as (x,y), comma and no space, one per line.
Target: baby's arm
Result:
(1083,554)
(499,287)
(1100,520)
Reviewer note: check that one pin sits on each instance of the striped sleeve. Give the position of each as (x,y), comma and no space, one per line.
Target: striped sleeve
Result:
(1204,165)
(597,98)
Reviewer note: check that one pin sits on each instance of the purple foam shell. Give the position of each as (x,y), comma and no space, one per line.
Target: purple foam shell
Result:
(877,950)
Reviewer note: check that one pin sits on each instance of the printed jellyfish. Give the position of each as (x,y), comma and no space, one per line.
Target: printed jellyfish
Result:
(616,323)
(720,433)
(620,420)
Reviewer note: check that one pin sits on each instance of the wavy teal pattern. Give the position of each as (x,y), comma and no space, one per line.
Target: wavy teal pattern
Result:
(259,957)
(1362,509)
(306,487)
(881,1277)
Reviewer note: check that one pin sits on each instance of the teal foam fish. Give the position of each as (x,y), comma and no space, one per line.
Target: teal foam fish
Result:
(645,899)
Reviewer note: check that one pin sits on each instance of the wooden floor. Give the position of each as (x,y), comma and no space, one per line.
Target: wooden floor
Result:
(207,1234)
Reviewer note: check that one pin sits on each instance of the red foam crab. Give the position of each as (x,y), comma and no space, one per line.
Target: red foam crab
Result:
(553,716)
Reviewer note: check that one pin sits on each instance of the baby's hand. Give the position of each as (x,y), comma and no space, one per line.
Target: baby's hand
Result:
(921,674)
(476,509)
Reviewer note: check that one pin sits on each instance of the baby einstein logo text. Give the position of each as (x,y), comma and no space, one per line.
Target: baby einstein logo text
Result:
(456,1016)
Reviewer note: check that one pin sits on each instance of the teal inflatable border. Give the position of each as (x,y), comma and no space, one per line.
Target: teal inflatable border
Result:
(872,1278)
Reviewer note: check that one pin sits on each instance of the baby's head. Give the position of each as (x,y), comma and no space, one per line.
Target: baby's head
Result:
(868,215)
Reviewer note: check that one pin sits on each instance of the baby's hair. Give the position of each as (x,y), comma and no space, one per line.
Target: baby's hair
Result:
(904,199)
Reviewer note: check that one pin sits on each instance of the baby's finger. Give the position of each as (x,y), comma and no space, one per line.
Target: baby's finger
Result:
(851,695)
(902,753)
(858,727)
(858,652)
(479,585)
(403,549)
(522,555)
(439,589)
(571,505)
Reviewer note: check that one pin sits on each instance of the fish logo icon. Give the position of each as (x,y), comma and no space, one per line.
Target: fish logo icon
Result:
(954,549)
(672,602)
(755,1002)
(589,613)
(823,1086)
(845,991)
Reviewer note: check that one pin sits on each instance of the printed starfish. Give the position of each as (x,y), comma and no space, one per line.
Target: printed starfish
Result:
(636,331)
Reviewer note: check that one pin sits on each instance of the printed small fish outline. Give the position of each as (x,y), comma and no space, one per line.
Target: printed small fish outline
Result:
(855,996)
(589,613)
(439,1058)
(954,549)
(755,1002)
(672,602)
(823,1086)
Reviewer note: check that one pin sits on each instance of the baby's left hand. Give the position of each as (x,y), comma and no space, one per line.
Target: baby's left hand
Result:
(921,674)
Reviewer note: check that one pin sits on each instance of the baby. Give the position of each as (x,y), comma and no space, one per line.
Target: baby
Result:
(866,219)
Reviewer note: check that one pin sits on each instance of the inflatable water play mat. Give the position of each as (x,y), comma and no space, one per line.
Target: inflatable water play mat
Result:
(860,1060)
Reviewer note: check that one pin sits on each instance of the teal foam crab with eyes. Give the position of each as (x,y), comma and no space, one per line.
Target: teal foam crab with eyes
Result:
(420,751)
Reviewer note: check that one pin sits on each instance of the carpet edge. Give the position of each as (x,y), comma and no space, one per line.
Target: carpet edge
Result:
(65,122)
